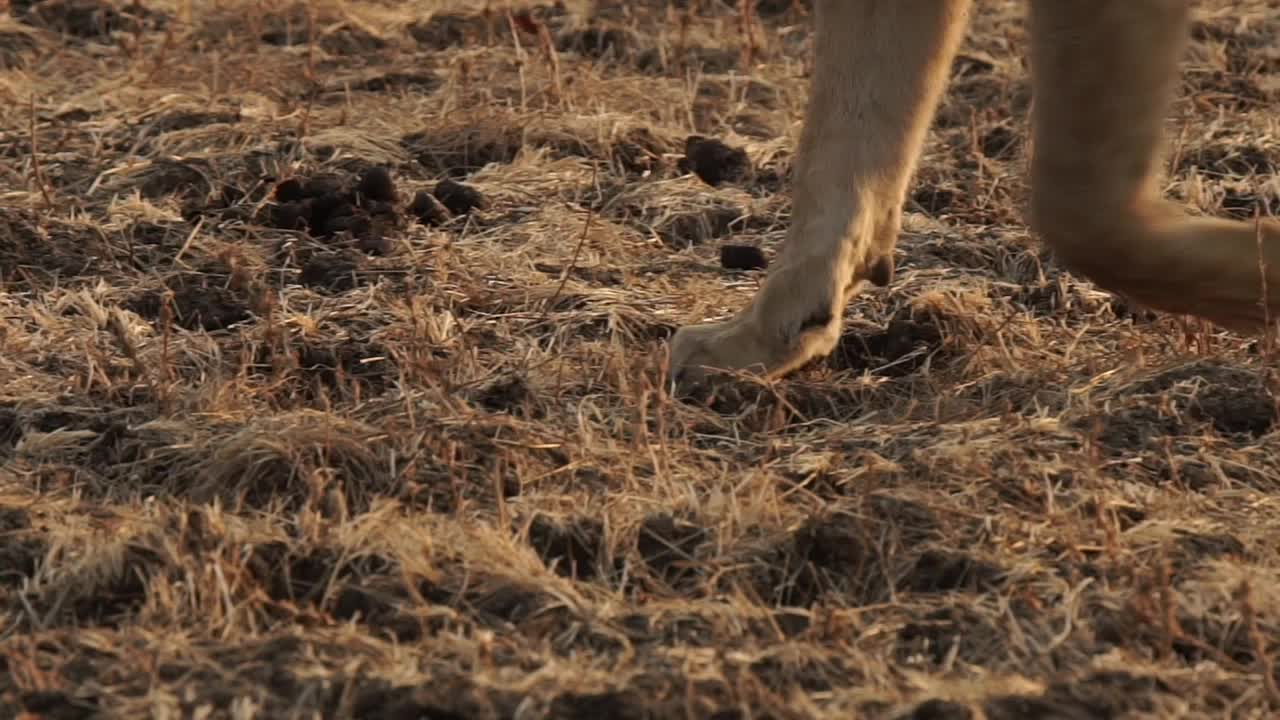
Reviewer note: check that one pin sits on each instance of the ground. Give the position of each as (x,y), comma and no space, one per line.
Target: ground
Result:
(331,346)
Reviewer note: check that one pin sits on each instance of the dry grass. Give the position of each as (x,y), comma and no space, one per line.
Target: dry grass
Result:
(430,471)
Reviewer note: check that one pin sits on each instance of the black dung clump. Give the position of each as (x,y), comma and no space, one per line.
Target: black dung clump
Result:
(459,198)
(376,184)
(427,210)
(331,206)
(713,161)
(742,257)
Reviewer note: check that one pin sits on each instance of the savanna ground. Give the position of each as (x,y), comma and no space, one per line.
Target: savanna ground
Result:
(275,448)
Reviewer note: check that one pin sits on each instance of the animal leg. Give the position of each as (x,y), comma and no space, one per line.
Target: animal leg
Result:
(880,71)
(1105,74)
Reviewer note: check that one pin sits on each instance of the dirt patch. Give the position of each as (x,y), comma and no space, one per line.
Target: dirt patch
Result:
(1233,400)
(931,638)
(572,548)
(1232,92)
(684,223)
(352,367)
(295,26)
(667,546)
(195,302)
(428,210)
(999,143)
(118,456)
(460,150)
(638,151)
(448,700)
(1099,695)
(155,244)
(933,198)
(1190,550)
(421,82)
(695,58)
(510,395)
(1133,428)
(10,428)
(1175,408)
(331,270)
(937,710)
(833,547)
(90,19)
(1230,158)
(34,249)
(443,31)
(941,571)
(599,42)
(367,589)
(295,461)
(862,556)
(22,548)
(165,177)
(908,341)
(59,704)
(16,45)
(471,466)
(108,586)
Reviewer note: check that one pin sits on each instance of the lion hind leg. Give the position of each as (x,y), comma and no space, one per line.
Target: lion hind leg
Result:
(1105,74)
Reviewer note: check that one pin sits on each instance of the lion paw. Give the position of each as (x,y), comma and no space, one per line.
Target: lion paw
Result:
(697,350)
(739,344)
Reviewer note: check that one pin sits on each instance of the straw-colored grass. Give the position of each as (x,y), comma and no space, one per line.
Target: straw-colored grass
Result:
(431,470)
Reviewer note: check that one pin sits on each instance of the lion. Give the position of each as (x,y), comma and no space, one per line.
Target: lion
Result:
(1104,73)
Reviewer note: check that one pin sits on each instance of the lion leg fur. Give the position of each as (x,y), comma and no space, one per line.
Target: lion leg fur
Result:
(880,72)
(1104,75)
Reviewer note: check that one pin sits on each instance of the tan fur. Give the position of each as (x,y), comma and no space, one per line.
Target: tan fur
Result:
(1104,74)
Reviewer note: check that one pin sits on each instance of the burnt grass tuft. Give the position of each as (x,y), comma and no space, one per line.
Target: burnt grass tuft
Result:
(329,384)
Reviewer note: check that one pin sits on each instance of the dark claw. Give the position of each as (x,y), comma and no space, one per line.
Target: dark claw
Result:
(881,271)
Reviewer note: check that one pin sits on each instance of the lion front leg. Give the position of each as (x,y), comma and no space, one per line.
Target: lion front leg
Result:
(879,74)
